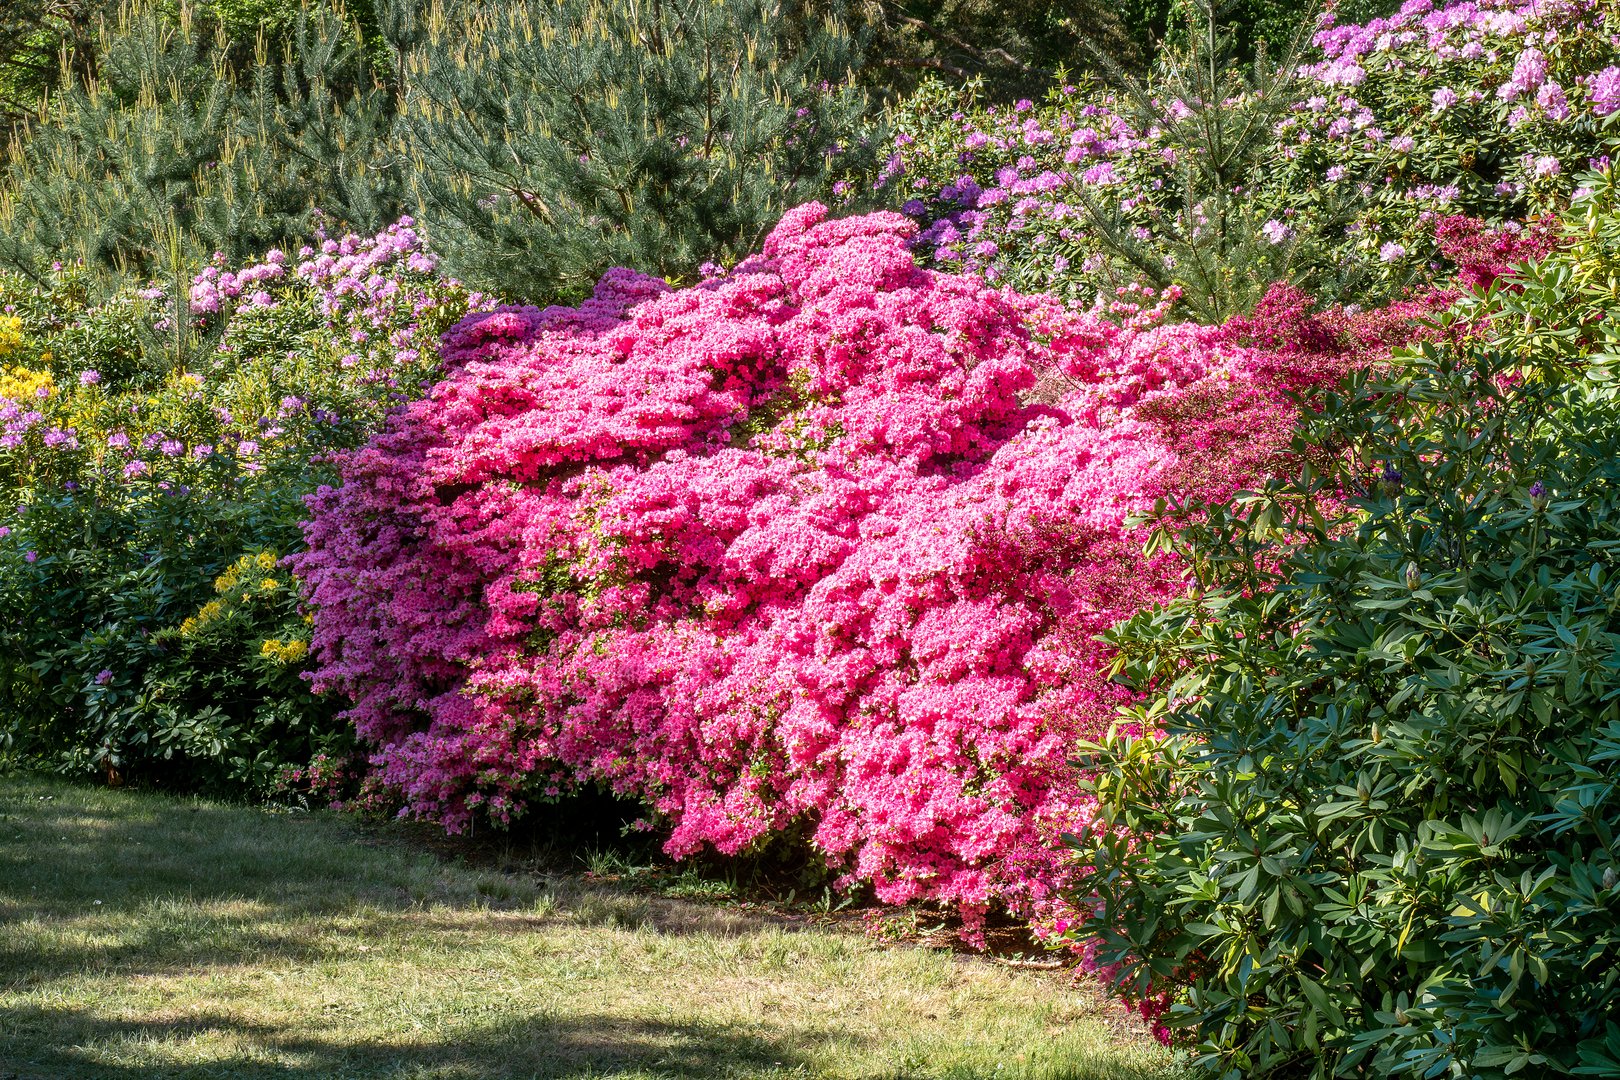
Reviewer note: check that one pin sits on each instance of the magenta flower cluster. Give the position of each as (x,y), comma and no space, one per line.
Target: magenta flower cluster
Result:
(823,542)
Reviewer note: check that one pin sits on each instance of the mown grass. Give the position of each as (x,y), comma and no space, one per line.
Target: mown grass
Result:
(145,936)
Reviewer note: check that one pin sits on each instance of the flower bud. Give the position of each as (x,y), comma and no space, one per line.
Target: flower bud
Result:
(1538,496)
(1392,483)
(1610,878)
(1414,577)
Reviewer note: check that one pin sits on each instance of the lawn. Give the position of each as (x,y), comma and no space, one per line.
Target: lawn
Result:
(146,936)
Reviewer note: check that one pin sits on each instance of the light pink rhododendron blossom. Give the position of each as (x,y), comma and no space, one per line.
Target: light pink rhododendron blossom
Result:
(823,542)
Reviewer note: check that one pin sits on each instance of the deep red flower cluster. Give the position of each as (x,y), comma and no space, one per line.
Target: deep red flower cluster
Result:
(1482,254)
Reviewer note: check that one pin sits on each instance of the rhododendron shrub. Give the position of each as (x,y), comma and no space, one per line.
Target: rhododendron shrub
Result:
(823,542)
(1369,830)
(155,449)
(1485,108)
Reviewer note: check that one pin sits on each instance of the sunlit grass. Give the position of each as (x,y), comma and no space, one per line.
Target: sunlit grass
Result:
(143,936)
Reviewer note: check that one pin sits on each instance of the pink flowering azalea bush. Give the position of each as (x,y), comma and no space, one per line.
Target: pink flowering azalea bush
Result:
(1482,108)
(152,467)
(821,544)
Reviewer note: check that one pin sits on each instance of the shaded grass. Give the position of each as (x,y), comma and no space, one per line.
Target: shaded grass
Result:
(145,936)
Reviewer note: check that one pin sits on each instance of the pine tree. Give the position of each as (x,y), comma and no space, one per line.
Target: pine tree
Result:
(552,139)
(35,36)
(170,151)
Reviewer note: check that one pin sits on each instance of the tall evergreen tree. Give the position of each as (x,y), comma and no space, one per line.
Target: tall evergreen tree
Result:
(170,150)
(35,36)
(552,139)
(1219,116)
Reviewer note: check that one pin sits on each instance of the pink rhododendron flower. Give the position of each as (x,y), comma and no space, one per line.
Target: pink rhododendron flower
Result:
(1603,89)
(1276,232)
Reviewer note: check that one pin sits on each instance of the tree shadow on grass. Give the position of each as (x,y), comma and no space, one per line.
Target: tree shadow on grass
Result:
(101,887)
(138,885)
(537,1046)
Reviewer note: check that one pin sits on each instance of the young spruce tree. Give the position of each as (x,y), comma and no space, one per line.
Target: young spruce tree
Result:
(1218,115)
(552,139)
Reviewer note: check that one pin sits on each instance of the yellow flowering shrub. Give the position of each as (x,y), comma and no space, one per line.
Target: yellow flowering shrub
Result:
(21,384)
(17,381)
(11,334)
(250,594)
(291,651)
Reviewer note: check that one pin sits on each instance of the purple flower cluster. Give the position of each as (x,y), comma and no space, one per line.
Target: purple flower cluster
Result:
(366,314)
(1603,89)
(380,295)
(217,285)
(1388,121)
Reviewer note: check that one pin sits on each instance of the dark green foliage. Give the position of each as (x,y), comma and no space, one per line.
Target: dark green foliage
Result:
(1013,49)
(1016,50)
(1377,833)
(34,36)
(170,152)
(1250,23)
(551,141)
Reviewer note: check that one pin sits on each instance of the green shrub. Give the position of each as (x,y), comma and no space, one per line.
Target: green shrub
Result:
(153,470)
(1365,820)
